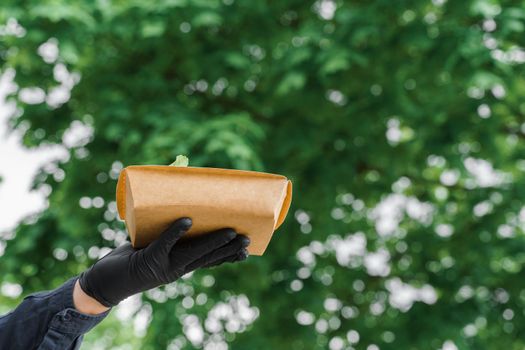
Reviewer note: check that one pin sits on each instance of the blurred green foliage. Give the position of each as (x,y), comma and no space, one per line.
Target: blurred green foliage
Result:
(401,124)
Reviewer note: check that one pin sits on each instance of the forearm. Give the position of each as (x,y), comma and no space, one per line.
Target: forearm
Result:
(86,304)
(50,320)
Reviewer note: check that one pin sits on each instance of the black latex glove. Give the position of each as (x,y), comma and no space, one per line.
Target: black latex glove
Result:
(126,271)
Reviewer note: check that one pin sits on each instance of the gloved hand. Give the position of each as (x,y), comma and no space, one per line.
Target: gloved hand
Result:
(126,271)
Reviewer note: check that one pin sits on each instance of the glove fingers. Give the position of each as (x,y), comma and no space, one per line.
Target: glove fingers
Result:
(202,245)
(232,248)
(168,238)
(240,256)
(230,258)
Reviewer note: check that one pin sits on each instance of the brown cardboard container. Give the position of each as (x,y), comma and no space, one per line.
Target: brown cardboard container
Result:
(150,198)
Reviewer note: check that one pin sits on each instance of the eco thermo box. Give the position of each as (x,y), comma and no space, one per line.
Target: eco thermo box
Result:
(150,198)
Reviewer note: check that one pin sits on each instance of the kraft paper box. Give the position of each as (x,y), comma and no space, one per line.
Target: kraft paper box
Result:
(150,198)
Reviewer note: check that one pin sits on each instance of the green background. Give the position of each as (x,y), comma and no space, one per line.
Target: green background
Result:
(400,123)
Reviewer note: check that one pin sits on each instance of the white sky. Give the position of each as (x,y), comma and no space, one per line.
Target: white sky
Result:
(17,168)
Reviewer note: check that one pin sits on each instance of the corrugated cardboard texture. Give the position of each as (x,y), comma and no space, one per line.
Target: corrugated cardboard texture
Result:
(150,198)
